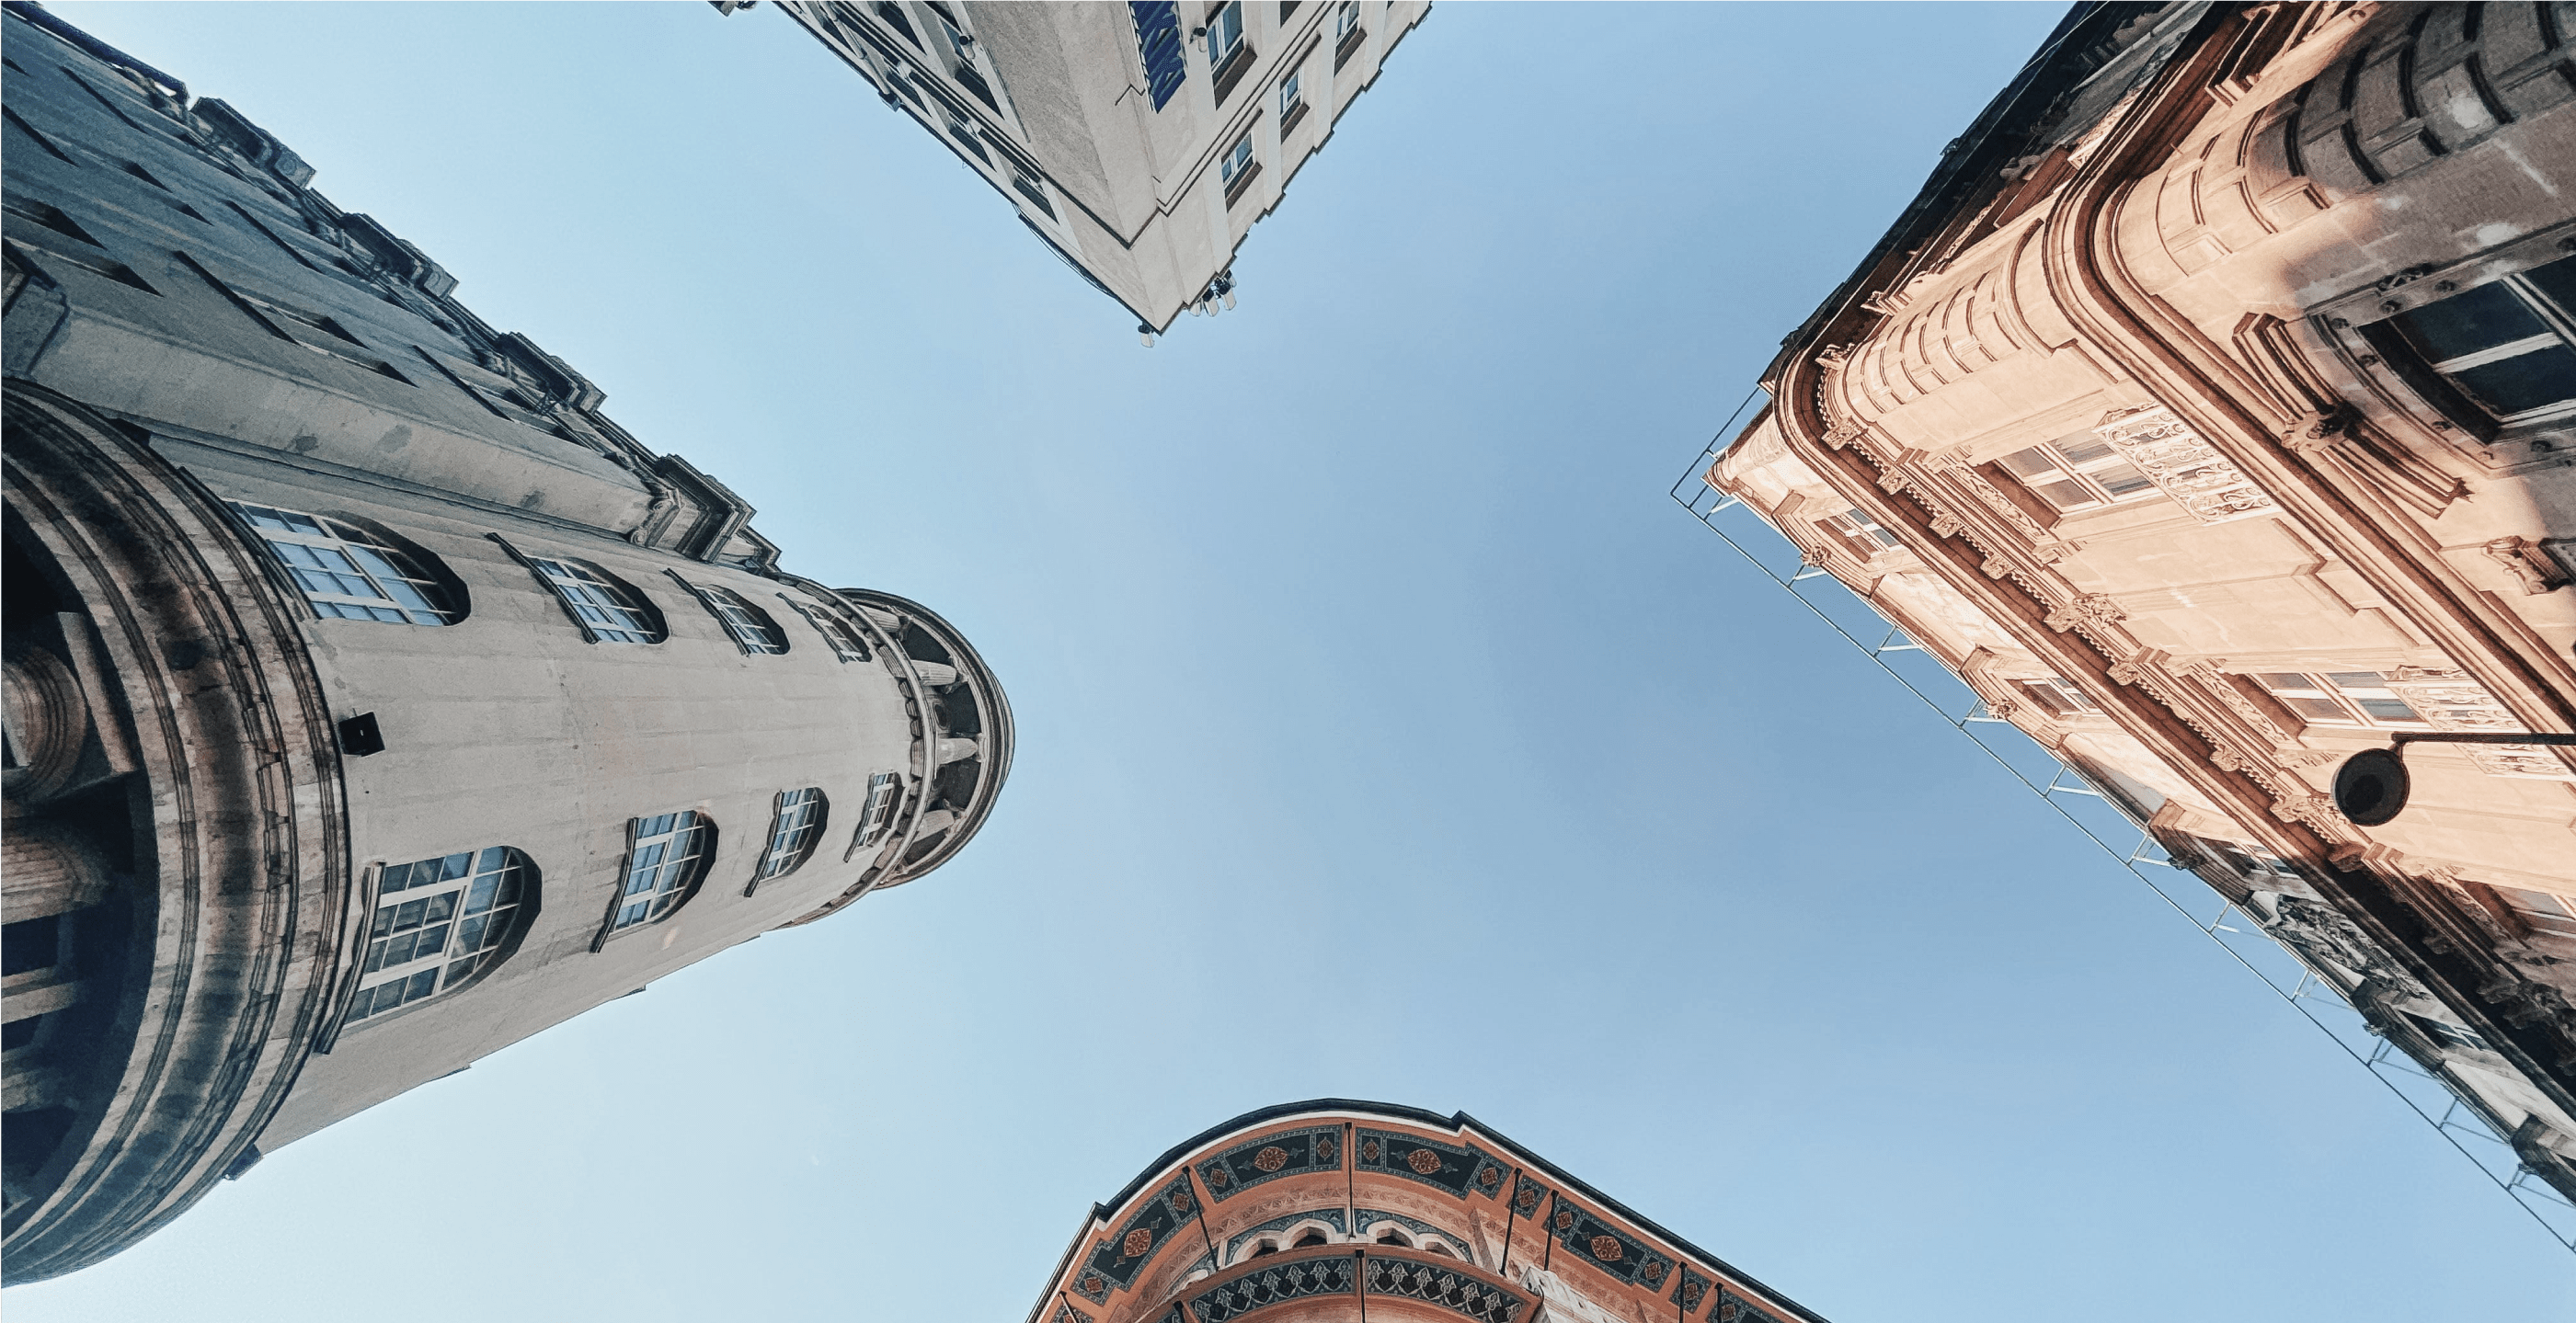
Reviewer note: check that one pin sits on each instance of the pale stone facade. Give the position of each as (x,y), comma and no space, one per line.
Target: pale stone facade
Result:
(1140,141)
(373,700)
(1333,1211)
(2212,415)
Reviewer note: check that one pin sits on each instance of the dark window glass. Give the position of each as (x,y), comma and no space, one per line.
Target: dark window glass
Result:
(2465,323)
(2523,382)
(2558,281)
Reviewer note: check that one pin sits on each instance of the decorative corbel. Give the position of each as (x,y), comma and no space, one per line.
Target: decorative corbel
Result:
(2537,571)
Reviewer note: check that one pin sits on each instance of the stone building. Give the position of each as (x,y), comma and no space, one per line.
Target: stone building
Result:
(2211,413)
(1140,141)
(373,700)
(1336,1211)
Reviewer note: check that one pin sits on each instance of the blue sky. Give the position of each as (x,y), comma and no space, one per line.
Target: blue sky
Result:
(1384,730)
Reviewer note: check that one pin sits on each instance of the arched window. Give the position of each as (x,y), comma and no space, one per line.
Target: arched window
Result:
(885,795)
(750,626)
(1308,1240)
(611,610)
(350,574)
(1393,1237)
(438,922)
(1264,1248)
(797,824)
(670,852)
(837,633)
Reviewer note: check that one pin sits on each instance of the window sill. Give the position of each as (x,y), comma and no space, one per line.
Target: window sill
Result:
(1229,75)
(1288,123)
(1241,183)
(1348,46)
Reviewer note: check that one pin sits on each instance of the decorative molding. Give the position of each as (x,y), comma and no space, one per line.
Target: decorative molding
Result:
(2185,467)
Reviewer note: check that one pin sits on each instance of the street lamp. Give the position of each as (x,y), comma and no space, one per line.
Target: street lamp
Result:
(2371,786)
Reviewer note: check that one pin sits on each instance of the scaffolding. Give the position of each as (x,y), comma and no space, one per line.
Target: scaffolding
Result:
(2452,1110)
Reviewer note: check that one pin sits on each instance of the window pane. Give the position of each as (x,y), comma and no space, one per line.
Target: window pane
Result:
(479,897)
(2067,495)
(410,915)
(2388,709)
(2084,450)
(384,921)
(2030,463)
(440,907)
(2121,479)
(2523,382)
(375,958)
(2462,324)
(2558,281)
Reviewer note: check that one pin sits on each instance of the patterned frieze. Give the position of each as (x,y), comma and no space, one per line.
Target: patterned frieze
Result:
(1290,1153)
(2185,467)
(2449,700)
(1456,1169)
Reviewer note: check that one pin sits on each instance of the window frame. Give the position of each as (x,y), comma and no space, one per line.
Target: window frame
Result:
(638,605)
(791,843)
(506,909)
(754,631)
(670,892)
(2061,698)
(441,596)
(2336,698)
(2397,343)
(1861,535)
(876,813)
(845,643)
(2053,466)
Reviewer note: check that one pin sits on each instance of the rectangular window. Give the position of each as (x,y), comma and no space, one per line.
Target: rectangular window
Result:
(2058,696)
(791,832)
(1347,32)
(1225,33)
(2340,698)
(1029,186)
(1292,103)
(2508,346)
(2078,472)
(2543,911)
(964,132)
(1860,534)
(1236,159)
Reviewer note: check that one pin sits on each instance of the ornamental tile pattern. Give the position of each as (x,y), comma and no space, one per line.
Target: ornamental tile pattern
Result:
(1294,1153)
(1733,1308)
(1117,1258)
(1439,1285)
(1330,1275)
(1449,1167)
(1606,1247)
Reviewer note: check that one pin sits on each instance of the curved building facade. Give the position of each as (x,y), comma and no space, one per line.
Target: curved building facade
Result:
(373,701)
(2212,414)
(1336,1210)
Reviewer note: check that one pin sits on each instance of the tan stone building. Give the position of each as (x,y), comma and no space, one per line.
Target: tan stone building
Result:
(2211,413)
(373,700)
(1140,141)
(1334,1211)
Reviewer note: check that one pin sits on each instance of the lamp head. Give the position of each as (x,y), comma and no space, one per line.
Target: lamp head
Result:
(2371,787)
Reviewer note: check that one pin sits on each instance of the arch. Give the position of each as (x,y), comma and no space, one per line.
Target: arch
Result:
(440,924)
(353,569)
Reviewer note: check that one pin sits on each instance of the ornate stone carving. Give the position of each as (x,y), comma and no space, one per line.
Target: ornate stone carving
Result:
(2089,612)
(2185,467)
(2537,572)
(2318,431)
(2448,699)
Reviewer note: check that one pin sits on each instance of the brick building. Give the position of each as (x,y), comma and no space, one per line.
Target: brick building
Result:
(1333,1211)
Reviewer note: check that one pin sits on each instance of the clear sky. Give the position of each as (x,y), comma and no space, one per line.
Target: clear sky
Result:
(1384,731)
